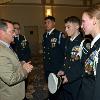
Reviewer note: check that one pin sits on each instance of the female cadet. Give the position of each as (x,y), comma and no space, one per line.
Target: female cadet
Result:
(91,78)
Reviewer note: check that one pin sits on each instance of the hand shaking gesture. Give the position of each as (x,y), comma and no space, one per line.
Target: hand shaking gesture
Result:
(28,66)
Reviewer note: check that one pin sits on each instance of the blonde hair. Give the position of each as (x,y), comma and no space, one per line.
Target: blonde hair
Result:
(93,11)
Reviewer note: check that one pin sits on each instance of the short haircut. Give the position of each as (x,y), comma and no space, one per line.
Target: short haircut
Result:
(50,17)
(72,19)
(3,24)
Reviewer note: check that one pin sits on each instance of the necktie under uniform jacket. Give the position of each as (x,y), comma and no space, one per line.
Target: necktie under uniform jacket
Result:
(12,75)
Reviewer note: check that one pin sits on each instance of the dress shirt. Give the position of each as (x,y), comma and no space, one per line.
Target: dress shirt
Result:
(7,45)
(49,32)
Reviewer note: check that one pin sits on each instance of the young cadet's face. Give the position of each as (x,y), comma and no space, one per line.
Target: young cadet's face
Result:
(49,24)
(71,28)
(87,24)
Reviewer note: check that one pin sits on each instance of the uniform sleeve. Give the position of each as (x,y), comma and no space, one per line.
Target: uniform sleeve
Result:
(9,73)
(97,80)
(62,41)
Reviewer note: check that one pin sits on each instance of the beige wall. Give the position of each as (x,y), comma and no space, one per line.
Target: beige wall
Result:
(62,12)
(25,15)
(32,15)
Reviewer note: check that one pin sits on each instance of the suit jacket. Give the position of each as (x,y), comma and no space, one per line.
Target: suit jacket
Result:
(12,75)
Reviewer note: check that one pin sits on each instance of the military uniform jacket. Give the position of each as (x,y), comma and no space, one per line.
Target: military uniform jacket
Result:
(97,80)
(91,79)
(21,47)
(12,75)
(72,62)
(53,51)
(73,67)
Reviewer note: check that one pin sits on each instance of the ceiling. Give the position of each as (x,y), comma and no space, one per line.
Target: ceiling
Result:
(52,2)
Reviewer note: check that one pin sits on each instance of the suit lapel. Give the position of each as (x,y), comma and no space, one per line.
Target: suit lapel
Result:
(9,50)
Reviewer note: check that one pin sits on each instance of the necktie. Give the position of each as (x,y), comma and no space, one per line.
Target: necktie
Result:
(17,38)
(47,35)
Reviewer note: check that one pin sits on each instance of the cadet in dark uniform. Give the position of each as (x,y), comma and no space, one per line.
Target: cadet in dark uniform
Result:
(74,51)
(21,45)
(90,89)
(53,48)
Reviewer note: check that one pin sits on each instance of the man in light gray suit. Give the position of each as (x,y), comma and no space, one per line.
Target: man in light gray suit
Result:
(12,72)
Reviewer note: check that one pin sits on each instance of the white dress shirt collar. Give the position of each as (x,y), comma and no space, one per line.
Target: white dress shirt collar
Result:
(50,31)
(72,39)
(6,44)
(94,40)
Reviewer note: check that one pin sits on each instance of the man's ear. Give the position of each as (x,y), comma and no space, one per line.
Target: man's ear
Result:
(54,23)
(77,26)
(1,31)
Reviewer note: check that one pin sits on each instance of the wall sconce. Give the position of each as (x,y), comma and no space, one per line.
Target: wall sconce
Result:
(48,11)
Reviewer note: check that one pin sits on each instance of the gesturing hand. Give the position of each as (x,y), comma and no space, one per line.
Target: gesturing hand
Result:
(27,66)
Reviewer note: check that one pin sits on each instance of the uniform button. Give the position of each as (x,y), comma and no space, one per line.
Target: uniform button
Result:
(49,58)
(64,64)
(65,47)
(65,57)
(43,47)
(82,75)
(69,67)
(48,53)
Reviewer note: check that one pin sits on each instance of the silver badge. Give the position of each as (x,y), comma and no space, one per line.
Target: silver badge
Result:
(53,42)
